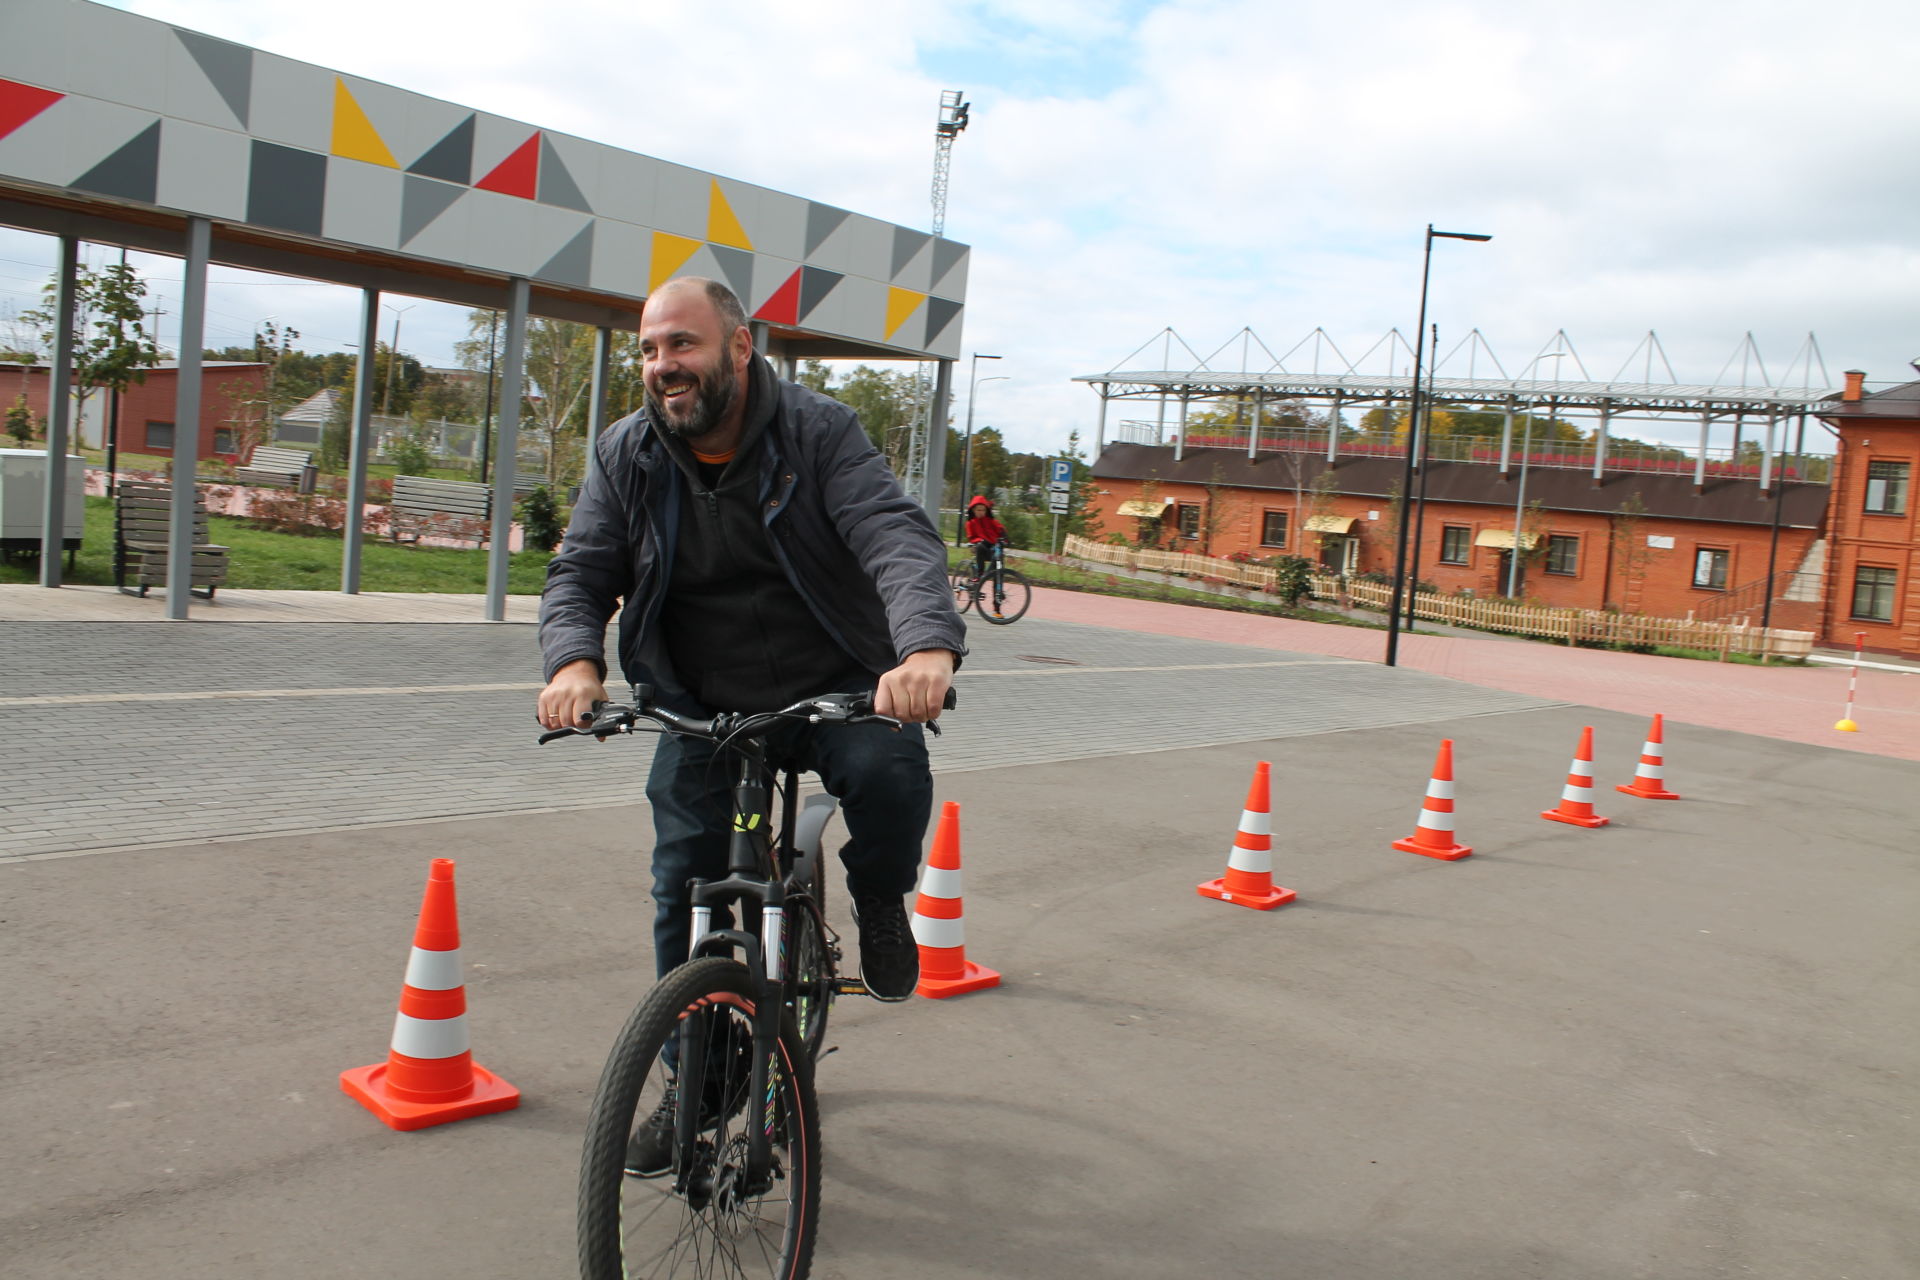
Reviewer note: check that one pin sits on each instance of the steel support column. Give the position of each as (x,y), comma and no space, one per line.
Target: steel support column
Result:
(597,395)
(1333,429)
(360,441)
(186,417)
(53,514)
(1766,456)
(513,374)
(1600,439)
(1700,457)
(1506,439)
(1180,441)
(934,486)
(1253,436)
(1100,430)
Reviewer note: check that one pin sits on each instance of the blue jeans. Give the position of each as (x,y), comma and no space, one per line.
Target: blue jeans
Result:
(881,778)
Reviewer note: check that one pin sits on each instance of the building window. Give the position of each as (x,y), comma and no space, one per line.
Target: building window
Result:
(1454,547)
(1563,554)
(160,435)
(1273,529)
(1873,594)
(1887,488)
(1710,569)
(1189,520)
(223,441)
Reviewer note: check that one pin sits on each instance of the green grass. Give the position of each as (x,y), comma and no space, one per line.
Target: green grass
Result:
(295,562)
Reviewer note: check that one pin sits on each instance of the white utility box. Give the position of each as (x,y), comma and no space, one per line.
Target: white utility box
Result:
(23,498)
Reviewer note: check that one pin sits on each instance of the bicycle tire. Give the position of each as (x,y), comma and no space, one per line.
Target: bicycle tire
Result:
(1017,595)
(810,988)
(639,1228)
(963,594)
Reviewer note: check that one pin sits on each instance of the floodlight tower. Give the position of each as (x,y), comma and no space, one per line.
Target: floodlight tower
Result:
(951,121)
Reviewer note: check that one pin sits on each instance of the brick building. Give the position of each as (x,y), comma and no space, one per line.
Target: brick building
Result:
(1874,586)
(147,408)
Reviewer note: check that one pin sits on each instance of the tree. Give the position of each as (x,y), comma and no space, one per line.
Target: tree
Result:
(252,412)
(560,369)
(20,421)
(992,467)
(1630,549)
(1082,517)
(110,346)
(336,437)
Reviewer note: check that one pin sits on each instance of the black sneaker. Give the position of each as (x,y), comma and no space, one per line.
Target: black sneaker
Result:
(650,1149)
(889,960)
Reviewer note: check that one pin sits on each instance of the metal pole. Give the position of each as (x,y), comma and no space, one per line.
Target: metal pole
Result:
(1519,509)
(1420,500)
(936,478)
(1506,438)
(186,417)
(1773,549)
(1766,456)
(360,441)
(486,418)
(1600,439)
(1333,428)
(393,358)
(597,393)
(511,386)
(1406,474)
(1180,441)
(113,412)
(1700,458)
(1100,431)
(1253,436)
(53,511)
(966,457)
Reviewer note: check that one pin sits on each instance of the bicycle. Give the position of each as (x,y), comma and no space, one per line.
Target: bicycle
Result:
(742,1194)
(1011,592)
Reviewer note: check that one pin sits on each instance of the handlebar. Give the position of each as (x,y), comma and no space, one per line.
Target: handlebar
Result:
(609,718)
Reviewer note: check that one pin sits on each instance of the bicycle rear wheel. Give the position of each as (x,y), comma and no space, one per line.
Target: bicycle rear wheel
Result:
(962,585)
(640,1228)
(1007,601)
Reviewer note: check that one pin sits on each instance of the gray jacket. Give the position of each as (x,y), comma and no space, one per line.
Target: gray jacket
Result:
(862,555)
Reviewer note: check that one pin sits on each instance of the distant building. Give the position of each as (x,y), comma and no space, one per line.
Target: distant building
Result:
(1875,575)
(147,408)
(307,421)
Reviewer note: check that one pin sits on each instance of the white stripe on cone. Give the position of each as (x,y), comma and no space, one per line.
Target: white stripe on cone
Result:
(1580,795)
(433,970)
(430,1037)
(931,931)
(940,882)
(1253,823)
(1250,860)
(1440,789)
(1433,820)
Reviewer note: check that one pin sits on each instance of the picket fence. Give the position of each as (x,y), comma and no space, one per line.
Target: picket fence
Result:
(1569,626)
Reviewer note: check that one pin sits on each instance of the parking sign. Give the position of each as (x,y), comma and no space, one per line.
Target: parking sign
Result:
(1059,473)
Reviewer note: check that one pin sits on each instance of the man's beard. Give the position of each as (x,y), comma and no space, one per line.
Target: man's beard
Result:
(712,395)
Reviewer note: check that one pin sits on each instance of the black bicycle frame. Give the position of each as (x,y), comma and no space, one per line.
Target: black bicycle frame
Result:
(755,880)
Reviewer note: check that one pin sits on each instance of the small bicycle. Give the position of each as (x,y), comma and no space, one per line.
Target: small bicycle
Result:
(1002,594)
(746,1016)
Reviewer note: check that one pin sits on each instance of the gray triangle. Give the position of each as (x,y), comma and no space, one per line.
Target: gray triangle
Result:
(906,243)
(574,263)
(421,201)
(815,284)
(822,221)
(946,256)
(556,184)
(737,266)
(130,173)
(940,314)
(228,67)
(450,158)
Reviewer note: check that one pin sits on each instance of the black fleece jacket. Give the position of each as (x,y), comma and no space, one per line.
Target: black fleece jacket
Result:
(863,557)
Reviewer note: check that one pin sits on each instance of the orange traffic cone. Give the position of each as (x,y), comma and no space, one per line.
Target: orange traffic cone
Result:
(1433,836)
(937,924)
(430,1077)
(1576,798)
(1650,775)
(1249,878)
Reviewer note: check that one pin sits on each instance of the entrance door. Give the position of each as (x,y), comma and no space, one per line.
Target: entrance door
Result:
(1506,567)
(1334,552)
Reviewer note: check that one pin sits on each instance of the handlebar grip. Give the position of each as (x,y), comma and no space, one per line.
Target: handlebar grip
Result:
(551,734)
(950,701)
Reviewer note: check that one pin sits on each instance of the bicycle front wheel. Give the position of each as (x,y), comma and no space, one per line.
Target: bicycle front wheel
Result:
(641,1228)
(1006,600)
(962,591)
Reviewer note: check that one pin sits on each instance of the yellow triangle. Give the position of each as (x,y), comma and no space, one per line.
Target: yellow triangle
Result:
(670,253)
(901,303)
(353,134)
(722,226)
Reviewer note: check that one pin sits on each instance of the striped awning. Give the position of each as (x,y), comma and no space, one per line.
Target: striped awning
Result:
(1503,539)
(1144,508)
(1330,524)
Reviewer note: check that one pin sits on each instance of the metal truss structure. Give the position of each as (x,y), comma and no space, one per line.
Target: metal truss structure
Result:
(948,126)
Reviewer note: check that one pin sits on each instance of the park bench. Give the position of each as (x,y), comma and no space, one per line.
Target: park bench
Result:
(143,515)
(273,466)
(453,508)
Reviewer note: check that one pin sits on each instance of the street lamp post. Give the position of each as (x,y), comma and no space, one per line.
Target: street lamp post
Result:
(966,457)
(1526,448)
(393,355)
(1413,420)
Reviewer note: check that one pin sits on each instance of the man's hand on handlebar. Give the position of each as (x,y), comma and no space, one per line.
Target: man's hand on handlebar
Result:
(914,690)
(568,699)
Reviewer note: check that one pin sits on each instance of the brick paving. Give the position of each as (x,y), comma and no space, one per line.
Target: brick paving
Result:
(297,727)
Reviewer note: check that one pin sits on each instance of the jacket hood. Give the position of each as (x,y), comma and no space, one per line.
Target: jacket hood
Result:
(980,500)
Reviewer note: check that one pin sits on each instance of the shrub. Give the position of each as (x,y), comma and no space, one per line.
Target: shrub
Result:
(541,527)
(1293,578)
(20,421)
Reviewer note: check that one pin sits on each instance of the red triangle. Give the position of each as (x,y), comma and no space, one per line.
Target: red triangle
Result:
(518,174)
(20,103)
(784,306)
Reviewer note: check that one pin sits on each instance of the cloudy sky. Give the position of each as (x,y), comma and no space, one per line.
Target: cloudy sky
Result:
(1698,169)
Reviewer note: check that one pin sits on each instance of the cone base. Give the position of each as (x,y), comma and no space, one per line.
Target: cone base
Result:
(1626,788)
(973,977)
(1274,897)
(1847,726)
(1575,820)
(368,1086)
(1446,853)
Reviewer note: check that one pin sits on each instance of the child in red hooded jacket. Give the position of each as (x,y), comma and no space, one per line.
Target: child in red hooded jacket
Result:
(984,532)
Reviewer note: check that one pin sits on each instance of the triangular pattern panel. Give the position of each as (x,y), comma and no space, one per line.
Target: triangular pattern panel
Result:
(132,172)
(451,158)
(228,69)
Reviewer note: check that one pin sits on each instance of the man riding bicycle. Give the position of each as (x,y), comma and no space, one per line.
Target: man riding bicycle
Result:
(764,553)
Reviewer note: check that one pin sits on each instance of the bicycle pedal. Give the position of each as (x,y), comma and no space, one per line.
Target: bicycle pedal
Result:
(850,987)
